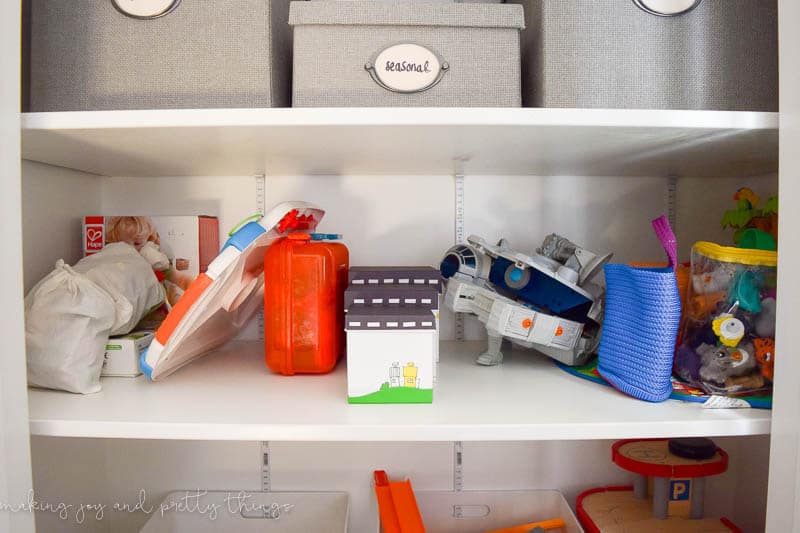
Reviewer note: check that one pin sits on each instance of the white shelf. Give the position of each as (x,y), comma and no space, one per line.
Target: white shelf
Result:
(428,141)
(231,395)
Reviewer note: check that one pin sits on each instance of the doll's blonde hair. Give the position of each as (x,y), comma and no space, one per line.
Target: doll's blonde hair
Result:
(134,230)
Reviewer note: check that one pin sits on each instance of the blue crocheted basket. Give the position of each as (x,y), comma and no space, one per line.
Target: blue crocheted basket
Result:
(643,309)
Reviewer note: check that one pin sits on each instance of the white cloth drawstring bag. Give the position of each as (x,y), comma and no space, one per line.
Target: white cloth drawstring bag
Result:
(67,322)
(128,278)
(70,314)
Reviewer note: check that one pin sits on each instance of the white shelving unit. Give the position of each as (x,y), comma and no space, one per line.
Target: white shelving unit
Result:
(527,398)
(613,166)
(229,397)
(542,142)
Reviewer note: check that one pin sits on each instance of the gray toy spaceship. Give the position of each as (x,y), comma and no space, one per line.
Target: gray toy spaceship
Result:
(544,301)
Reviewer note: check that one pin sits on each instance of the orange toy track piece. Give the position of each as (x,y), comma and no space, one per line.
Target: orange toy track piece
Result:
(397,506)
(547,525)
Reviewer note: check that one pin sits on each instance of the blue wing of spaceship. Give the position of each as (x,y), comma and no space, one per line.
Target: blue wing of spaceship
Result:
(539,289)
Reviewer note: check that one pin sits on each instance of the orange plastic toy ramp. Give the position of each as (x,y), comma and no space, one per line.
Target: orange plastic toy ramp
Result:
(397,505)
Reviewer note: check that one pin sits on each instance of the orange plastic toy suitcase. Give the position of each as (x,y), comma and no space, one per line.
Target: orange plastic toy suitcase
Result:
(304,283)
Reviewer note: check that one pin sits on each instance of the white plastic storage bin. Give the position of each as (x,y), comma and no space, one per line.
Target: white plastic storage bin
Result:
(285,512)
(651,54)
(406,54)
(481,511)
(118,54)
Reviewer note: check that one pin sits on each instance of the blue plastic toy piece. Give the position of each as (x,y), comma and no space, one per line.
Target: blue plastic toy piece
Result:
(146,369)
(245,235)
(326,236)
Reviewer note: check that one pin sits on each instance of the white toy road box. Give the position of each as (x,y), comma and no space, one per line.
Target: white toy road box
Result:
(391,354)
(122,353)
(363,299)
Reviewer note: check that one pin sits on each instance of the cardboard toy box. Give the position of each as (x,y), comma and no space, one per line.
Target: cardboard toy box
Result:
(391,355)
(122,353)
(190,242)
(392,324)
(362,300)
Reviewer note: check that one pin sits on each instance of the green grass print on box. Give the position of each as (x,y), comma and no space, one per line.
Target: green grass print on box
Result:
(388,394)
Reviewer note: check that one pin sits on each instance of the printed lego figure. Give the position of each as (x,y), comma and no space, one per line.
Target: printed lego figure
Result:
(394,375)
(410,376)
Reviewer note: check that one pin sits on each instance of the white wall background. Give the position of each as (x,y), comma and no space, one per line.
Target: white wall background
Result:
(385,220)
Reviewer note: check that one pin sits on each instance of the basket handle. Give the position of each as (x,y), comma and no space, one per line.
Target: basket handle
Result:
(667,237)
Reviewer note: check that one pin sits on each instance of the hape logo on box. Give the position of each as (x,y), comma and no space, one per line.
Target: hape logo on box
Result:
(95,238)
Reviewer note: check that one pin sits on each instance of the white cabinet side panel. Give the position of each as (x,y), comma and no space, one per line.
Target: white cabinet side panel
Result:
(15,467)
(783,505)
(54,202)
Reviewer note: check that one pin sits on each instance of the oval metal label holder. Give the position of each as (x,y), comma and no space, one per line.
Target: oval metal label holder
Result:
(406,68)
(667,8)
(145,9)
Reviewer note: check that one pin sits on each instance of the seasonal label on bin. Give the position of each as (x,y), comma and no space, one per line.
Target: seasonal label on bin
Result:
(406,68)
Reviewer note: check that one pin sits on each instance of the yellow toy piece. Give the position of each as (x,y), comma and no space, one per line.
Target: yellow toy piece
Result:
(730,330)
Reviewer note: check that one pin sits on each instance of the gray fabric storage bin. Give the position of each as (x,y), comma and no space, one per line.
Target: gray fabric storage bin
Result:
(335,40)
(88,55)
(721,55)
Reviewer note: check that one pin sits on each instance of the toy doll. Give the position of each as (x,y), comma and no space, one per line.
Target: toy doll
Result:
(140,232)
(136,231)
